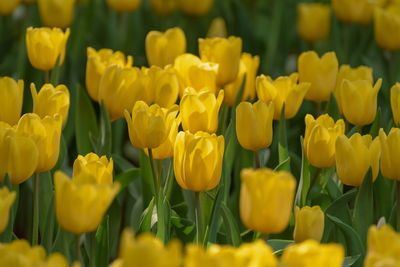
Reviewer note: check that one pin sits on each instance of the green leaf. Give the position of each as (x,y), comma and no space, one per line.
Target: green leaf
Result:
(184,229)
(232,229)
(213,223)
(147,178)
(282,143)
(145,223)
(339,207)
(279,245)
(350,260)
(105,138)
(332,108)
(125,178)
(163,214)
(46,209)
(121,163)
(304,183)
(376,125)
(102,244)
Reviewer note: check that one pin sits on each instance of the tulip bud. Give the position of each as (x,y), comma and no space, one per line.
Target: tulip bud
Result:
(124,6)
(351,74)
(387,27)
(148,125)
(11,98)
(82,201)
(310,253)
(7,7)
(266,199)
(6,200)
(320,138)
(194,73)
(309,224)
(254,124)
(217,28)
(198,160)
(395,102)
(359,101)
(354,156)
(284,90)
(196,8)
(313,21)
(45,46)
(97,62)
(226,53)
(55,13)
(200,111)
(320,72)
(91,164)
(355,11)
(390,154)
(163,7)
(163,48)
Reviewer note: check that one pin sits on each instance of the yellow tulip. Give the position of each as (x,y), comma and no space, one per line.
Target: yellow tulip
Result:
(51,100)
(351,74)
(309,224)
(198,160)
(383,247)
(313,21)
(97,62)
(163,48)
(355,11)
(11,99)
(164,7)
(120,88)
(310,253)
(354,156)
(148,127)
(387,27)
(6,200)
(217,28)
(92,164)
(320,72)
(7,7)
(214,256)
(124,6)
(284,90)
(226,53)
(199,111)
(390,153)
(55,13)
(257,253)
(82,201)
(192,72)
(320,138)
(46,134)
(266,199)
(395,102)
(29,1)
(45,46)
(254,124)
(196,8)
(359,101)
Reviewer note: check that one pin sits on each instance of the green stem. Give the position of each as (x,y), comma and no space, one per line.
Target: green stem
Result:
(77,248)
(46,76)
(93,249)
(153,170)
(159,167)
(359,129)
(35,230)
(257,159)
(170,181)
(314,179)
(199,225)
(318,109)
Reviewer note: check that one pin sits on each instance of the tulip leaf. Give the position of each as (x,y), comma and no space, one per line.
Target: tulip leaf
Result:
(105,138)
(102,244)
(350,260)
(184,229)
(146,218)
(232,229)
(163,215)
(376,125)
(55,73)
(332,108)
(339,207)
(213,223)
(383,200)
(125,178)
(282,143)
(63,243)
(121,163)
(147,179)
(278,245)
(304,183)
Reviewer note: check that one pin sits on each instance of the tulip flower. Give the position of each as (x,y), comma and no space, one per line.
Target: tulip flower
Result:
(284,90)
(383,247)
(196,8)
(355,11)
(7,7)
(390,154)
(51,100)
(215,255)
(309,224)
(351,74)
(320,72)
(163,7)
(55,13)
(29,1)
(6,200)
(217,28)
(124,6)
(11,98)
(257,253)
(92,164)
(254,124)
(313,21)
(387,27)
(226,53)
(163,48)
(354,156)
(320,138)
(266,199)
(45,46)
(395,102)
(200,111)
(198,160)
(97,62)
(310,253)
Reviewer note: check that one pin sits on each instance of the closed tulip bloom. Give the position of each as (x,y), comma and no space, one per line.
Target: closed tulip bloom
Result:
(163,47)
(390,154)
(7,7)
(55,13)
(92,164)
(45,46)
(217,28)
(6,200)
(355,11)
(313,21)
(310,253)
(395,102)
(351,74)
(320,72)
(320,138)
(226,53)
(213,256)
(148,126)
(354,156)
(11,99)
(164,7)
(266,199)
(97,62)
(200,111)
(82,201)
(383,247)
(254,124)
(124,6)
(387,27)
(309,224)
(359,101)
(232,89)
(285,90)
(198,160)
(46,134)
(257,253)
(196,8)
(194,73)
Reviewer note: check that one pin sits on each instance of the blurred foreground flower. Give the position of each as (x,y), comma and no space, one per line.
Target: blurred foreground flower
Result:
(390,154)
(124,6)
(11,99)
(395,103)
(195,7)
(55,13)
(7,7)
(7,198)
(309,224)
(355,11)
(313,21)
(387,27)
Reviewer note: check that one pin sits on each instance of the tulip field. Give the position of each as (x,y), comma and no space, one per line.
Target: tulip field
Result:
(188,133)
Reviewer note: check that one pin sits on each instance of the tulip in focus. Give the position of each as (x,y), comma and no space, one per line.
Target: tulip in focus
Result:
(92,164)
(387,27)
(164,7)
(45,46)
(7,7)
(56,13)
(355,11)
(320,138)
(309,224)
(195,7)
(124,6)
(198,160)
(6,200)
(390,154)
(217,28)
(313,21)
(11,99)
